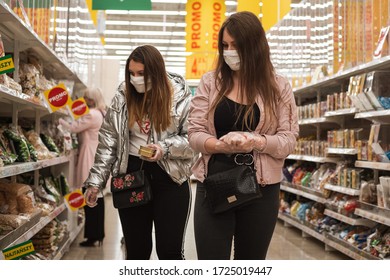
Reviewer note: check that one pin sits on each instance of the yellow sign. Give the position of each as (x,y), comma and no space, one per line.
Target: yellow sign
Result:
(204,19)
(75,200)
(6,64)
(79,108)
(57,98)
(19,251)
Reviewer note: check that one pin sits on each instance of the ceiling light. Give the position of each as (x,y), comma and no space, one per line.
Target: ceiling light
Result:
(146,13)
(145,23)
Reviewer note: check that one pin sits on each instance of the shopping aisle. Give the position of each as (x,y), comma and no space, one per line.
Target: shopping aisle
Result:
(287,243)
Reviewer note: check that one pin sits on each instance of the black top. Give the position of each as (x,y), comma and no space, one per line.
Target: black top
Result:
(226,119)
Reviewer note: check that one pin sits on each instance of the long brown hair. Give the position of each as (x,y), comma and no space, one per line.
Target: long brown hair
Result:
(256,73)
(155,103)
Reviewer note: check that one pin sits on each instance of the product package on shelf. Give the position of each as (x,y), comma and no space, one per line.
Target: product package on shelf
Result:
(377,87)
(17,205)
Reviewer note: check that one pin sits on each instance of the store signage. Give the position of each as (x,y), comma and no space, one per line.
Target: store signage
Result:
(75,200)
(121,5)
(19,251)
(204,20)
(6,64)
(57,97)
(79,108)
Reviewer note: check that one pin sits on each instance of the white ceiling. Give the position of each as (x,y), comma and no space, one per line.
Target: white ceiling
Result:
(163,27)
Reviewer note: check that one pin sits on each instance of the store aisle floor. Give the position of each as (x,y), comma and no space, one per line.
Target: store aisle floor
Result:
(287,243)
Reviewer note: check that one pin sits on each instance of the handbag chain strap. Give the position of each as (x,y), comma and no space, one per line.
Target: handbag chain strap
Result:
(147,142)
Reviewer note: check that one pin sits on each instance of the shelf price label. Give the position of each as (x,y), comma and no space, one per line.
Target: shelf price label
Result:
(19,251)
(6,64)
(79,108)
(57,97)
(75,200)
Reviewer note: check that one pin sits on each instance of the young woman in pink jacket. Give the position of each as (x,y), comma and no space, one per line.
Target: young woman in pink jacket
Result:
(243,107)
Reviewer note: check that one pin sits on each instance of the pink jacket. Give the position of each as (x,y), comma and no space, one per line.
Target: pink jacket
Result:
(281,135)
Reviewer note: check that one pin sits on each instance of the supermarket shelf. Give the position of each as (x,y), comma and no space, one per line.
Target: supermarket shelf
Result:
(341,112)
(20,98)
(30,229)
(341,151)
(340,189)
(65,246)
(373,165)
(348,249)
(348,220)
(19,168)
(334,242)
(298,224)
(12,26)
(382,116)
(312,121)
(311,196)
(376,214)
(314,159)
(377,64)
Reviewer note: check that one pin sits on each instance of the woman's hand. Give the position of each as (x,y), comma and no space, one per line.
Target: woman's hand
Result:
(158,155)
(91,196)
(236,142)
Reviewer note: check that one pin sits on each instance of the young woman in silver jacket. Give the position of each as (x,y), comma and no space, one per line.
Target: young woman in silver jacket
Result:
(162,111)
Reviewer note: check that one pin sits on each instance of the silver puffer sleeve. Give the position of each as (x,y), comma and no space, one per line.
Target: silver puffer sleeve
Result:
(107,150)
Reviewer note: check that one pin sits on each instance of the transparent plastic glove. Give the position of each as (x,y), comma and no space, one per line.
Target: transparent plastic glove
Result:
(91,196)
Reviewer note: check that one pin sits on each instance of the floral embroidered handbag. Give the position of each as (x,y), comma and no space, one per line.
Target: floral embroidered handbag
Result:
(131,189)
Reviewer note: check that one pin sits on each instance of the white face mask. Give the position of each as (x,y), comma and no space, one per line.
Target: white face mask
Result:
(138,83)
(232,59)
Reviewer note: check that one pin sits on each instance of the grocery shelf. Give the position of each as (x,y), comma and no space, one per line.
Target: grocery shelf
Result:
(20,98)
(312,196)
(348,249)
(349,220)
(375,213)
(298,224)
(19,168)
(340,189)
(312,121)
(65,246)
(314,158)
(382,116)
(341,112)
(13,27)
(377,64)
(29,229)
(373,165)
(342,151)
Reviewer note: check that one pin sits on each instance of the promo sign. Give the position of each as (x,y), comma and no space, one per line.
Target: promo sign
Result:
(204,19)
(57,97)
(6,64)
(79,108)
(19,251)
(75,200)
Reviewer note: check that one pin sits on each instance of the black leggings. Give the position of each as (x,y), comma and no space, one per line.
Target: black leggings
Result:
(251,226)
(169,210)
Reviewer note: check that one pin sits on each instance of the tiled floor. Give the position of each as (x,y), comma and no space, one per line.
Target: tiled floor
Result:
(287,243)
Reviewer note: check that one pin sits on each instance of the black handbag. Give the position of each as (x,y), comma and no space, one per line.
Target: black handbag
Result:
(231,188)
(131,189)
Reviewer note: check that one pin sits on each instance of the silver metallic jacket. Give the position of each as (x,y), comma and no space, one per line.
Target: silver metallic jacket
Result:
(113,149)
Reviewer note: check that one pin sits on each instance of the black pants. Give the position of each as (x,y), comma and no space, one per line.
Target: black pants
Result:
(251,226)
(94,221)
(169,211)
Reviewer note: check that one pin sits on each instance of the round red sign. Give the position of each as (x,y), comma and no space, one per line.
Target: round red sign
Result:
(79,108)
(76,200)
(58,97)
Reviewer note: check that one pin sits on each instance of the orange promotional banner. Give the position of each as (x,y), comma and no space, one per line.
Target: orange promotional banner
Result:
(79,108)
(204,19)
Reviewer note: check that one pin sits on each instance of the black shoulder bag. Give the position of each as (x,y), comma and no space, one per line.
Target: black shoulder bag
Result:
(233,187)
(131,189)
